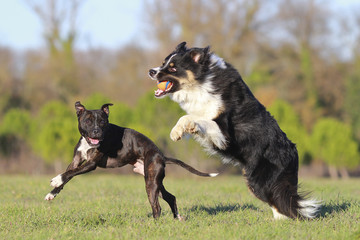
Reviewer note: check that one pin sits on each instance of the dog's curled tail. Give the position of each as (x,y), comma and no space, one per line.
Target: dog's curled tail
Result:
(189,168)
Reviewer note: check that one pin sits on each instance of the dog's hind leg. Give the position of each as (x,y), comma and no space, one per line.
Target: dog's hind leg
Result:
(171,200)
(154,174)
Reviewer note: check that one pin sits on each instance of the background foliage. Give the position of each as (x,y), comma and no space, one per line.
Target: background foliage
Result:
(284,49)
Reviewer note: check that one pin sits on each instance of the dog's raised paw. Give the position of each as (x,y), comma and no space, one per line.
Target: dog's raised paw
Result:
(191,127)
(49,197)
(176,134)
(56,181)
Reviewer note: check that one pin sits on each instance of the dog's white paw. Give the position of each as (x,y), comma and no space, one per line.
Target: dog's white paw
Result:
(56,181)
(176,133)
(49,197)
(185,124)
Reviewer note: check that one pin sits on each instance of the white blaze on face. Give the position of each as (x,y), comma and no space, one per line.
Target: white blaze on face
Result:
(168,61)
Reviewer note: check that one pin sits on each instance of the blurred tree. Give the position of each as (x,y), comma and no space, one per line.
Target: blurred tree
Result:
(352,98)
(17,122)
(55,134)
(305,24)
(95,101)
(127,77)
(156,115)
(15,129)
(58,18)
(120,113)
(333,143)
(6,77)
(11,87)
(289,122)
(235,24)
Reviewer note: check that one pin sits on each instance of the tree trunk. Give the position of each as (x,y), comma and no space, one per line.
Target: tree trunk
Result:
(333,172)
(344,173)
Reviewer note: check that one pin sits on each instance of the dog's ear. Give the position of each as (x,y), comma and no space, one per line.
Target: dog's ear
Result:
(198,55)
(105,108)
(79,108)
(181,47)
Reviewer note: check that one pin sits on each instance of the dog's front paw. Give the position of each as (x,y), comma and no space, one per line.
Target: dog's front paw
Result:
(176,133)
(49,197)
(186,124)
(56,181)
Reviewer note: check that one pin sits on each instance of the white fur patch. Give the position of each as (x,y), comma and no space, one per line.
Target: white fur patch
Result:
(83,148)
(229,160)
(213,174)
(49,197)
(216,61)
(139,167)
(202,105)
(206,132)
(277,215)
(199,100)
(210,135)
(309,208)
(56,181)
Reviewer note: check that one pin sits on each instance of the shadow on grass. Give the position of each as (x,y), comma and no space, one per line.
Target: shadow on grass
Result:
(222,208)
(330,208)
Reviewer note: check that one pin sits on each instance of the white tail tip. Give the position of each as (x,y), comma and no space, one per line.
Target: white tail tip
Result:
(309,208)
(213,174)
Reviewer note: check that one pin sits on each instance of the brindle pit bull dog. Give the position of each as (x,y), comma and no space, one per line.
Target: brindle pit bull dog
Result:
(106,145)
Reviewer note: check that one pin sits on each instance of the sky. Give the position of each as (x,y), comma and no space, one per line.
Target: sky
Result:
(102,23)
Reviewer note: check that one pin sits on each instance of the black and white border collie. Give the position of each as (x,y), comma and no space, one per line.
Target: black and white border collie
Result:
(225,118)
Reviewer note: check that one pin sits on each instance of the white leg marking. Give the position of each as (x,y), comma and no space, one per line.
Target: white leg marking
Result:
(207,132)
(139,167)
(56,181)
(184,124)
(278,215)
(49,197)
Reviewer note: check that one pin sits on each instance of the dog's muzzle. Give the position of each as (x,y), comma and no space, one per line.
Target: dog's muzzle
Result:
(153,73)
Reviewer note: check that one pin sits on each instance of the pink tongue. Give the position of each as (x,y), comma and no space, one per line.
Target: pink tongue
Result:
(158,92)
(94,141)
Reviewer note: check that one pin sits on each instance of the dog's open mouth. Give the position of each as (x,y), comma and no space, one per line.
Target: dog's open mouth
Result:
(163,88)
(94,141)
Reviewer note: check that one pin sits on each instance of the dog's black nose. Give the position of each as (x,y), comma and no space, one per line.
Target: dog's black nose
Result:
(152,72)
(95,131)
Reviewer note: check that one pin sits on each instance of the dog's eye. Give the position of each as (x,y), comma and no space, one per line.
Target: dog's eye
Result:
(88,121)
(172,69)
(102,122)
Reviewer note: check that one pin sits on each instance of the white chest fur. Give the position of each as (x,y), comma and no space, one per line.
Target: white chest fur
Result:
(83,148)
(199,101)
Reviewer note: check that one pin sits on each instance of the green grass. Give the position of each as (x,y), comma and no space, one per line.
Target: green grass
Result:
(108,206)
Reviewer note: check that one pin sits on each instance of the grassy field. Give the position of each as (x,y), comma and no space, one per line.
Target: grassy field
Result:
(108,206)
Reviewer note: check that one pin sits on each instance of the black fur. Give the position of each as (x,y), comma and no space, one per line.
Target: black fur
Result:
(253,137)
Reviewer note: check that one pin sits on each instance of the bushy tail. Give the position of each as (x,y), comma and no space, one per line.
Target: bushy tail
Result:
(288,202)
(189,168)
(309,208)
